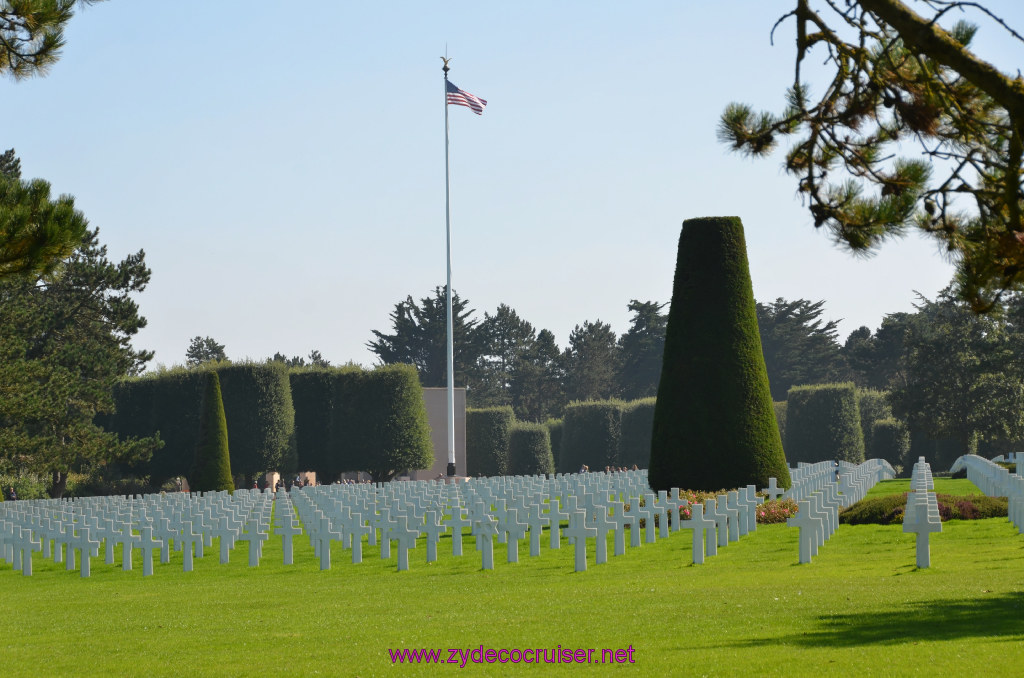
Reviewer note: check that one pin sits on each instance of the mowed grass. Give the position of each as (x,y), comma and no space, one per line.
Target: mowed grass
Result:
(860,608)
(954,486)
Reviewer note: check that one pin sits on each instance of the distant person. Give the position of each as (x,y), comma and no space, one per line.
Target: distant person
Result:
(11,494)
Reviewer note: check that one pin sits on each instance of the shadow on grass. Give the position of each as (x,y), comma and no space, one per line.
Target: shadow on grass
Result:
(991,616)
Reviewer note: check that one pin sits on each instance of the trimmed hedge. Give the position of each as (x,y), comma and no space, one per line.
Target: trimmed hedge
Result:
(169,403)
(637,428)
(590,435)
(873,406)
(822,423)
(890,441)
(212,468)
(387,431)
(313,400)
(488,432)
(529,450)
(714,424)
(555,427)
(348,419)
(260,415)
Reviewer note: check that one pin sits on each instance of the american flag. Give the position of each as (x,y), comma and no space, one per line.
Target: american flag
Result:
(461,98)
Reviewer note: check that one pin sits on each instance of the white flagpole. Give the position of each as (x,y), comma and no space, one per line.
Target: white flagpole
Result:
(448,301)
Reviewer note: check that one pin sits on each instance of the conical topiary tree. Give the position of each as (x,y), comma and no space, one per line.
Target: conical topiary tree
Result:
(212,468)
(714,422)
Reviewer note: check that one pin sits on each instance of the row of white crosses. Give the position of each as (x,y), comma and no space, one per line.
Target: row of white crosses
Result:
(508,509)
(921,516)
(151,525)
(996,481)
(855,481)
(819,497)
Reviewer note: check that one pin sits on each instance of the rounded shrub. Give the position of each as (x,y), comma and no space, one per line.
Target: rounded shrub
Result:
(529,450)
(822,423)
(714,424)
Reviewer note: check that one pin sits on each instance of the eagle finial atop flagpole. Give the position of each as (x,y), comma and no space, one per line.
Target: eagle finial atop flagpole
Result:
(445,67)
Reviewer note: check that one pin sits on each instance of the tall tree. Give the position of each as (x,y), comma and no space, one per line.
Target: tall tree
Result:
(591,362)
(203,350)
(32,34)
(900,80)
(295,361)
(963,376)
(64,342)
(874,360)
(798,347)
(317,360)
(505,339)
(36,231)
(419,339)
(10,165)
(538,387)
(641,349)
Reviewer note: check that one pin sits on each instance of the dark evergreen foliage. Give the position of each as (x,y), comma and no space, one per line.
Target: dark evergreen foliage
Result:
(211,470)
(780,418)
(529,450)
(389,433)
(555,427)
(488,433)
(798,347)
(204,350)
(822,423)
(637,427)
(714,424)
(889,441)
(590,435)
(313,400)
(873,406)
(591,362)
(419,338)
(641,349)
(261,417)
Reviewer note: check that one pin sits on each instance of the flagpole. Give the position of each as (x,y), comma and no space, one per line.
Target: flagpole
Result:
(448,301)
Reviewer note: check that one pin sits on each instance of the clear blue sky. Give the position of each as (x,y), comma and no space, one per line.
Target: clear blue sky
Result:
(282,164)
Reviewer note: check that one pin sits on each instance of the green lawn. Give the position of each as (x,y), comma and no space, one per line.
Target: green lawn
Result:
(954,486)
(861,608)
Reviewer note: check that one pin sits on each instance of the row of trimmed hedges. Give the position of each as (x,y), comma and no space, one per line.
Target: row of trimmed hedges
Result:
(591,435)
(839,421)
(324,420)
(595,434)
(257,402)
(529,450)
(488,431)
(823,422)
(606,433)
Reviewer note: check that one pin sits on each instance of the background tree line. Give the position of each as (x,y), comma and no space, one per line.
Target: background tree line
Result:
(503,360)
